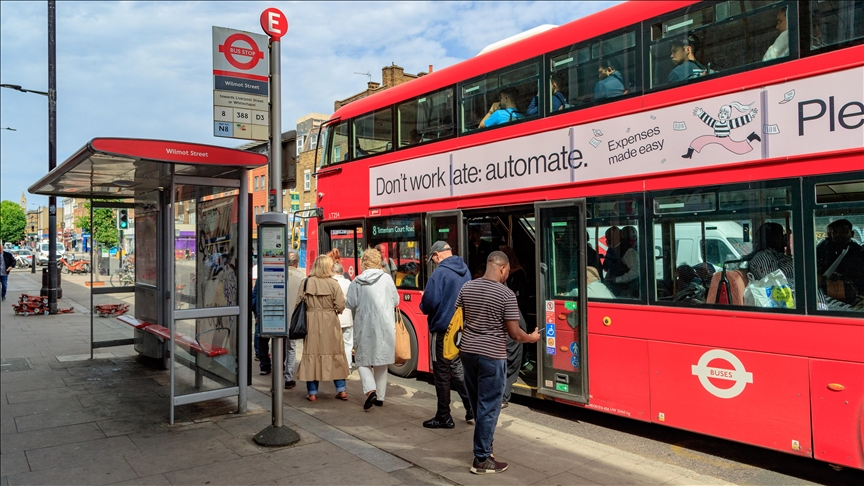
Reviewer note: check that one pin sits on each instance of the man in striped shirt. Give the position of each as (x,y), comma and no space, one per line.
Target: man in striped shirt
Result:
(491,313)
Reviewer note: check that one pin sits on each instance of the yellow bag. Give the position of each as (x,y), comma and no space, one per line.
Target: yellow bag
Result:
(453,336)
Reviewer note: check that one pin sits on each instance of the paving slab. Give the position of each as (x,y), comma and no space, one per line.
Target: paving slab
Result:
(155,480)
(355,473)
(39,439)
(96,471)
(71,455)
(49,394)
(621,469)
(399,436)
(516,474)
(60,419)
(548,454)
(229,472)
(13,463)
(42,407)
(303,459)
(166,450)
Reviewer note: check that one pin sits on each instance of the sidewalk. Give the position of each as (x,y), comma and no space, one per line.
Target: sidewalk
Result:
(69,420)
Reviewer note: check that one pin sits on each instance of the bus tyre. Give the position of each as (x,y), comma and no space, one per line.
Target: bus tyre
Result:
(407,369)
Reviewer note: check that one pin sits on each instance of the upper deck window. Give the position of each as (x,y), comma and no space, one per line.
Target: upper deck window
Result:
(500,97)
(426,118)
(373,133)
(835,23)
(720,38)
(597,70)
(334,144)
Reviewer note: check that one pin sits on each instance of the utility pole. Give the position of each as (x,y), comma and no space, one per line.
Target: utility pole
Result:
(53,281)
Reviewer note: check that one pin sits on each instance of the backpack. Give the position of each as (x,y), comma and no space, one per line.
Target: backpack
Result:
(453,336)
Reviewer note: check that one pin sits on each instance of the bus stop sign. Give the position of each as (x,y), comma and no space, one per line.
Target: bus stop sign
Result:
(274,23)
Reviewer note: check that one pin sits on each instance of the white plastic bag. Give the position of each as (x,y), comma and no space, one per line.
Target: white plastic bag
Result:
(772,290)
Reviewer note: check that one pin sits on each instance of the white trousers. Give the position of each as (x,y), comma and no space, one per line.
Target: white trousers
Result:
(348,340)
(374,378)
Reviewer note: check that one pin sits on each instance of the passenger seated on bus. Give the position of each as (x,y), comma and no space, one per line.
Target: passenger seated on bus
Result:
(559,101)
(683,54)
(596,289)
(627,281)
(611,82)
(410,278)
(688,286)
(612,259)
(780,47)
(769,254)
(591,260)
(846,279)
(705,271)
(504,110)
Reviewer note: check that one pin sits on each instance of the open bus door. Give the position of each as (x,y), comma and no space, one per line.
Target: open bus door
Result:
(347,236)
(562,300)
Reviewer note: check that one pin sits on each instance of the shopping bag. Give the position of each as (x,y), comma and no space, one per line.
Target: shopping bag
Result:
(453,336)
(772,290)
(298,329)
(403,341)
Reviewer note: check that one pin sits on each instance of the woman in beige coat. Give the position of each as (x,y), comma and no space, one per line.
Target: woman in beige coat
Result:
(323,351)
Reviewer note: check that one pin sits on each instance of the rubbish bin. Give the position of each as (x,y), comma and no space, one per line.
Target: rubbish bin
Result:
(46,283)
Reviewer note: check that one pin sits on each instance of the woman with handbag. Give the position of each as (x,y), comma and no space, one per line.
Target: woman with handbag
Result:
(373,299)
(323,351)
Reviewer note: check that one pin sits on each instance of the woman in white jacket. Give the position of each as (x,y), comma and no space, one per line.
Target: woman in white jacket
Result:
(346,318)
(373,298)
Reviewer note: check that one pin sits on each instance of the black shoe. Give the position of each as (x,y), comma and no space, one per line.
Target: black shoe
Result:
(469,417)
(265,372)
(753,136)
(290,384)
(489,466)
(370,400)
(437,422)
(689,153)
(378,403)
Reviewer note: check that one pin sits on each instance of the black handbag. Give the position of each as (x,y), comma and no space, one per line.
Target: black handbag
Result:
(298,328)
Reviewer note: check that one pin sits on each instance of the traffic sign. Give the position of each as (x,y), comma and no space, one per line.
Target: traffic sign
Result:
(274,23)
(241,84)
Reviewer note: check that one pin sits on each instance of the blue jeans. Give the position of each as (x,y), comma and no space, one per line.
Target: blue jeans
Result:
(312,386)
(484,382)
(255,339)
(4,280)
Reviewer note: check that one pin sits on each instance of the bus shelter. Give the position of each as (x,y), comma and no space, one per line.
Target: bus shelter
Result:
(174,278)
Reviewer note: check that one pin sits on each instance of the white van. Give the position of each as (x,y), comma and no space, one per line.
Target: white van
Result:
(42,256)
(724,241)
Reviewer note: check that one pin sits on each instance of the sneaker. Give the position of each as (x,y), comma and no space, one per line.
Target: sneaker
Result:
(489,466)
(439,423)
(290,384)
(265,372)
(469,417)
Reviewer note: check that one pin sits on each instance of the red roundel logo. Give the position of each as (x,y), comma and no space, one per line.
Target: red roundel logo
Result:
(274,23)
(231,48)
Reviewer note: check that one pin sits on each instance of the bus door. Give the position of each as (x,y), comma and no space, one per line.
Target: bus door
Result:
(347,237)
(445,226)
(561,302)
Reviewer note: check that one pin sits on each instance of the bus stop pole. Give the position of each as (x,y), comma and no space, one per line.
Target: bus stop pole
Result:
(276,200)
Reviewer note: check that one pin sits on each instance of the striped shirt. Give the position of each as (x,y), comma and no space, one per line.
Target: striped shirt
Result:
(486,306)
(722,128)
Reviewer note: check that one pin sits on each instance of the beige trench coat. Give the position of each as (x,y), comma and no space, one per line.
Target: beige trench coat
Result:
(323,349)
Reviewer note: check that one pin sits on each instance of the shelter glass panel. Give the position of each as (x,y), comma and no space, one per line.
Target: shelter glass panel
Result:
(205,355)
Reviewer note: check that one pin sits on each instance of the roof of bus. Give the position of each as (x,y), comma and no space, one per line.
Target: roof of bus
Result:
(594,25)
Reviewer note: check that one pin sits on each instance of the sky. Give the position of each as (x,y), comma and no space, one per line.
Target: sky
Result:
(144,69)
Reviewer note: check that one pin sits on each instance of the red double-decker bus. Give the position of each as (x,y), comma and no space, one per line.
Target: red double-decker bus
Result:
(682,184)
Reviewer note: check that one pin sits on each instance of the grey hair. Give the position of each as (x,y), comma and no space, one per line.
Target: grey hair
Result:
(338,269)
(293,259)
(498,258)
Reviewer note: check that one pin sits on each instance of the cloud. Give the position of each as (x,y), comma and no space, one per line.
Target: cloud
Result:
(144,69)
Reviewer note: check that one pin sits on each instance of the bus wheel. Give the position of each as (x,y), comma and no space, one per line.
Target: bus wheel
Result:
(407,369)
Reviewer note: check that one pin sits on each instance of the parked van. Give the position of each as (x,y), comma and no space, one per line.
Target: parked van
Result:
(42,257)
(724,241)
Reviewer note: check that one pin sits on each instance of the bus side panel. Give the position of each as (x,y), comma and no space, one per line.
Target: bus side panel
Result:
(756,398)
(411,308)
(618,376)
(838,425)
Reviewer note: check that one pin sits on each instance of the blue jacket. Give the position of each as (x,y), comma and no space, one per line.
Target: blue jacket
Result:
(439,298)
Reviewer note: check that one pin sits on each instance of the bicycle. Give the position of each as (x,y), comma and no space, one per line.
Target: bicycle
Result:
(124,277)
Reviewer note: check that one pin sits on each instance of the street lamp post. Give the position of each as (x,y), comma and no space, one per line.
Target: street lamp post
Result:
(53,282)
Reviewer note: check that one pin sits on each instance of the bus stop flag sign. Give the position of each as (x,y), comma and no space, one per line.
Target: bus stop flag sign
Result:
(241,84)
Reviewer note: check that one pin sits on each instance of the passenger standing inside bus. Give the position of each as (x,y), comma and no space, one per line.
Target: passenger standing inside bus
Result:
(437,303)
(559,101)
(373,299)
(491,314)
(504,110)
(517,281)
(683,54)
(611,82)
(323,352)
(478,249)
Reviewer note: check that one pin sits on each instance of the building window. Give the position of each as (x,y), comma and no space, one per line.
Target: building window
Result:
(263,183)
(256,184)
(307,180)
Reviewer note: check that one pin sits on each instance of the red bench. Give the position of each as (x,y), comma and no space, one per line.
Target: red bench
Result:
(192,345)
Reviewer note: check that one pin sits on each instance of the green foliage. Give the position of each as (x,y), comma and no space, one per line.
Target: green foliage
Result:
(12,222)
(104,222)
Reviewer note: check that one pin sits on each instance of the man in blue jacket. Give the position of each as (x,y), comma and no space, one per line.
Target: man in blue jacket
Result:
(438,303)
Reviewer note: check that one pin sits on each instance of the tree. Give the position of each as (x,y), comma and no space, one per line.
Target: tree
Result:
(105,225)
(12,222)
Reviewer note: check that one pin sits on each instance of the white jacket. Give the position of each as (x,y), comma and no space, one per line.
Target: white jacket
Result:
(346,318)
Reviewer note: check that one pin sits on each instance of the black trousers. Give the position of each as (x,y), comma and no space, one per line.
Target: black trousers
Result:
(448,376)
(514,360)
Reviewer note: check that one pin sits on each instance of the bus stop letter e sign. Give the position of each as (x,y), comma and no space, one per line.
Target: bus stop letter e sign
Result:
(274,23)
